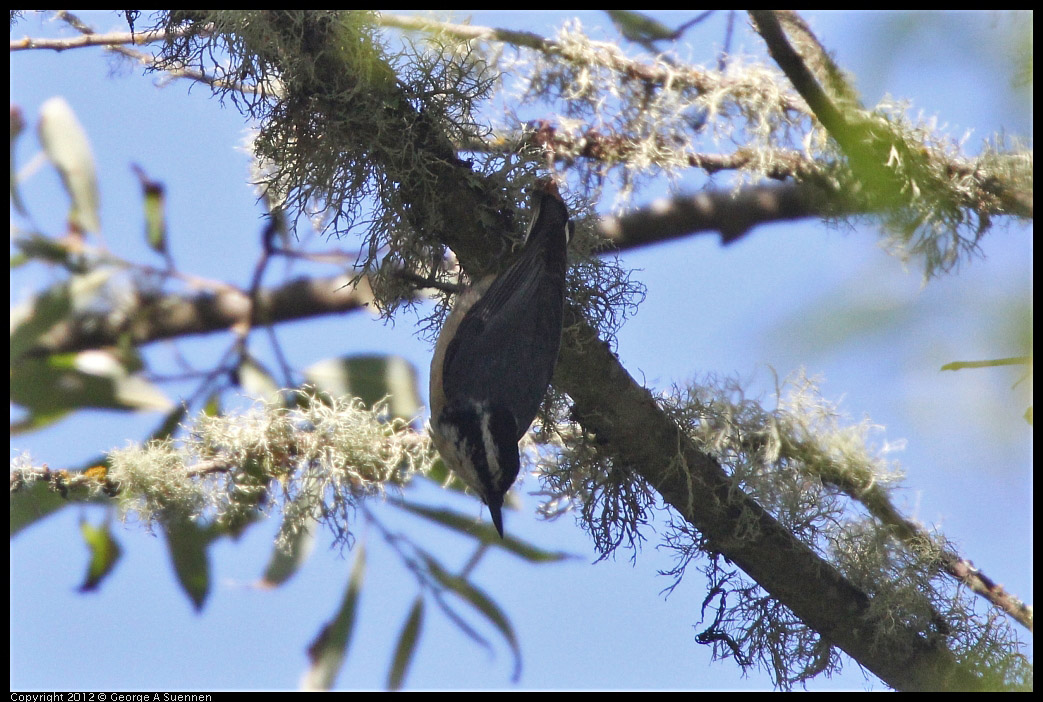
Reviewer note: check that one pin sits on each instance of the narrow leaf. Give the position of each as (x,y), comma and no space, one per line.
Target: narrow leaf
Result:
(371,378)
(32,502)
(991,363)
(406,646)
(66,145)
(188,543)
(329,648)
(256,381)
(66,382)
(465,524)
(37,315)
(639,27)
(296,536)
(481,602)
(155,211)
(104,550)
(170,423)
(36,247)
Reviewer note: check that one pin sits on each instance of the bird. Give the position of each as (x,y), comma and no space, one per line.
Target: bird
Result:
(495,356)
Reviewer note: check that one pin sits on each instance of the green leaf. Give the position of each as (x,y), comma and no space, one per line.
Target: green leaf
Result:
(64,382)
(36,316)
(170,423)
(36,247)
(212,406)
(39,314)
(639,27)
(66,145)
(991,363)
(486,532)
(406,646)
(297,536)
(286,560)
(370,378)
(481,602)
(35,422)
(188,543)
(328,649)
(32,502)
(155,211)
(104,553)
(257,382)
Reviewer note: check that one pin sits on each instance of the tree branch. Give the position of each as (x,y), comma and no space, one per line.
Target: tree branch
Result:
(159,316)
(626,417)
(608,54)
(867,152)
(733,214)
(108,40)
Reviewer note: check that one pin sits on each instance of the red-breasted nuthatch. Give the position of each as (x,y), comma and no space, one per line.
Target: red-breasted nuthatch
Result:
(495,357)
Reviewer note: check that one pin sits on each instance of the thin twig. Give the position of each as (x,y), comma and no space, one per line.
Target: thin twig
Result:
(109,40)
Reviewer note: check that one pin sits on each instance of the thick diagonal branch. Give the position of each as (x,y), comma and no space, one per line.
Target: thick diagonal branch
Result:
(624,415)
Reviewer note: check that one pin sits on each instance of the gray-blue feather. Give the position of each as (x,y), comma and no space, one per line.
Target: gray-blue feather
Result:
(506,347)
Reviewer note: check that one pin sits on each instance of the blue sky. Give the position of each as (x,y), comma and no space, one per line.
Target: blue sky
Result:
(779,298)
